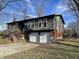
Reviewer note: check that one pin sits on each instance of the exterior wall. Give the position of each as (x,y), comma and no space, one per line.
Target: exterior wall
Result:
(58,28)
(40,24)
(14,27)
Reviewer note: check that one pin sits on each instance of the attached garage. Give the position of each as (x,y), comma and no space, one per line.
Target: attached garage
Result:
(40,36)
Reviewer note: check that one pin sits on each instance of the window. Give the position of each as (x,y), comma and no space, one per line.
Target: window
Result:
(36,23)
(44,24)
(40,24)
(33,25)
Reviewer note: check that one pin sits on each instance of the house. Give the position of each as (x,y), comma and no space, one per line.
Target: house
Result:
(41,29)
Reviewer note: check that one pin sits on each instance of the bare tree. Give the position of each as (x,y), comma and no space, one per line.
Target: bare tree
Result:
(67,32)
(72,30)
(76,3)
(25,14)
(74,7)
(3,4)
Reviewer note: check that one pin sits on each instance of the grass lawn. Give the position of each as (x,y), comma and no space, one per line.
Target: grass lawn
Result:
(4,41)
(53,51)
(71,42)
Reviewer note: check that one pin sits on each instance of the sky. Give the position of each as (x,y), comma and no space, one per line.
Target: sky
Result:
(49,7)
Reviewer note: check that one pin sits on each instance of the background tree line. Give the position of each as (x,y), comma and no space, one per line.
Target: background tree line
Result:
(72,30)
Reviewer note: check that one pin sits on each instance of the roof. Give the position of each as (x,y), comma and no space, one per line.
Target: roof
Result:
(39,18)
(46,30)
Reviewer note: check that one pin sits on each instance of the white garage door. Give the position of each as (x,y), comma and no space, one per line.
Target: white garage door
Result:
(45,37)
(34,37)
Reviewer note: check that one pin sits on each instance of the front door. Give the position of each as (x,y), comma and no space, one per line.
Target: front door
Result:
(26,35)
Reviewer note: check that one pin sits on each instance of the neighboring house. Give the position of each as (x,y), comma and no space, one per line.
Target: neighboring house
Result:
(41,29)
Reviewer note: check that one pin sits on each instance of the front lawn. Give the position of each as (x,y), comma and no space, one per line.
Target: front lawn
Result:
(53,51)
(67,41)
(4,41)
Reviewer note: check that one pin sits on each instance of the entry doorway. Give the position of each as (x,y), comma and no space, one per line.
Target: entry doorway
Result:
(26,35)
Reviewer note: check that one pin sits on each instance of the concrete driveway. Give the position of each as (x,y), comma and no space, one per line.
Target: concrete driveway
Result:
(13,48)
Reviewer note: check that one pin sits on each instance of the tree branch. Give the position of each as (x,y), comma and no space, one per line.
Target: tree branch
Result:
(5,5)
(77,4)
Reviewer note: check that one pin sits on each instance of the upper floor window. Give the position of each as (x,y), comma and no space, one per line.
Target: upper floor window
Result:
(44,24)
(33,25)
(40,24)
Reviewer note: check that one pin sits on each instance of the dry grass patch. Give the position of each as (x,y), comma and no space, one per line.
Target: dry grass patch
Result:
(53,51)
(4,41)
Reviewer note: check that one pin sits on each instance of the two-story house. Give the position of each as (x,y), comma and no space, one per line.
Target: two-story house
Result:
(41,29)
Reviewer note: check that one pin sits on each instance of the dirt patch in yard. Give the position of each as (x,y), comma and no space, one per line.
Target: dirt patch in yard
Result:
(10,49)
(53,51)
